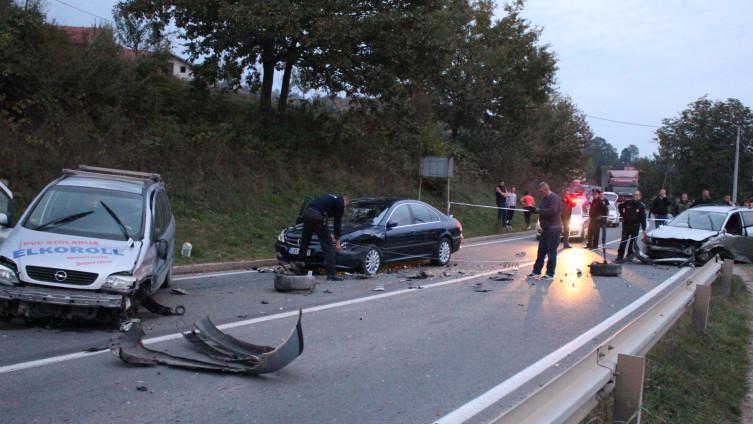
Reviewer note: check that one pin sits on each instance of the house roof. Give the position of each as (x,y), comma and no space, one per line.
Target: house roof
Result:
(81,35)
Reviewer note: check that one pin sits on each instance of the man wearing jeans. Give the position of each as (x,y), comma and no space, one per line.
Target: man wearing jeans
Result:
(550,219)
(315,218)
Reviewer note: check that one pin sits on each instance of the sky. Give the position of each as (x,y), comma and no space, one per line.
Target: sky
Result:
(637,61)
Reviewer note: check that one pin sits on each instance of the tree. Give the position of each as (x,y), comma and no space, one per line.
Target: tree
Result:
(602,157)
(629,155)
(135,32)
(557,138)
(700,146)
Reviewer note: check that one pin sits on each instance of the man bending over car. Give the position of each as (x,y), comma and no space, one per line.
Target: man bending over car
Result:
(315,217)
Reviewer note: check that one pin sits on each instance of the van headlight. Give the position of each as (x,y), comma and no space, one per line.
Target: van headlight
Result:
(119,283)
(8,277)
(281,236)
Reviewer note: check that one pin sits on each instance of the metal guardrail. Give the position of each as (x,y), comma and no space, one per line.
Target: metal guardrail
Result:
(575,391)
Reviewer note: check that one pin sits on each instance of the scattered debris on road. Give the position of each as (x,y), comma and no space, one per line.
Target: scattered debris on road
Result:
(378,288)
(141,388)
(520,254)
(156,308)
(176,290)
(264,302)
(422,275)
(479,288)
(223,353)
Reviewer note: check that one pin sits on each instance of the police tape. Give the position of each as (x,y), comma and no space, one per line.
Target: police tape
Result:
(490,207)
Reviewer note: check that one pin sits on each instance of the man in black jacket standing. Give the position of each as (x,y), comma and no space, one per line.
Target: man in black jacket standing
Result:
(315,217)
(633,213)
(705,199)
(550,219)
(660,208)
(597,218)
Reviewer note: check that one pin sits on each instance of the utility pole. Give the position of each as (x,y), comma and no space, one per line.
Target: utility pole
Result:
(737,161)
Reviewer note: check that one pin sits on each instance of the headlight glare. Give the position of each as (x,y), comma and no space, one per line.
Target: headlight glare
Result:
(120,283)
(281,236)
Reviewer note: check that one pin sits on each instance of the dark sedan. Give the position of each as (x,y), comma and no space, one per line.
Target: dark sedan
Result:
(377,231)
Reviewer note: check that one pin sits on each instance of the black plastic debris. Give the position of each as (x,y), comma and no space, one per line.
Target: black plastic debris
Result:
(152,306)
(420,276)
(176,290)
(501,277)
(221,352)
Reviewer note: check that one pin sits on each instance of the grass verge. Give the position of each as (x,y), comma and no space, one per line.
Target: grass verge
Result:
(697,379)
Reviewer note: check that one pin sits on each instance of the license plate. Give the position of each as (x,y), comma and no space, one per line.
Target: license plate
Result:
(295,251)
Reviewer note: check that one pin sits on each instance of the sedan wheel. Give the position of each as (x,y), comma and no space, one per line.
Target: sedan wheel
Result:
(442,252)
(372,261)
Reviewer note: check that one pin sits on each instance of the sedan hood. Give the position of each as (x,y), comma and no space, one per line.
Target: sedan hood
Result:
(681,233)
(27,247)
(348,229)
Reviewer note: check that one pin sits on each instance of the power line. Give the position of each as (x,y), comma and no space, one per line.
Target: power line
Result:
(83,11)
(624,122)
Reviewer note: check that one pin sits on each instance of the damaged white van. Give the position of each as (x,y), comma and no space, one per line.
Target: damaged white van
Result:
(90,245)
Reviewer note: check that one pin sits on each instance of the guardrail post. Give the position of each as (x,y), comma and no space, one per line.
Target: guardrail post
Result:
(628,389)
(727,278)
(701,307)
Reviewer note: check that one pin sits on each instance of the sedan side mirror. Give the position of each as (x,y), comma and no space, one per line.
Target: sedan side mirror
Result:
(391,225)
(162,248)
(4,221)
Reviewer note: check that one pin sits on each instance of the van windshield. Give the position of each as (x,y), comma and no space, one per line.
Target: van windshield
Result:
(79,211)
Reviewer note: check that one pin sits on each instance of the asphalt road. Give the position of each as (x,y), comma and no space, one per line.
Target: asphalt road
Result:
(401,355)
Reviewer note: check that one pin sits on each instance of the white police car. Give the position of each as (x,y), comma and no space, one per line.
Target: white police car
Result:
(92,242)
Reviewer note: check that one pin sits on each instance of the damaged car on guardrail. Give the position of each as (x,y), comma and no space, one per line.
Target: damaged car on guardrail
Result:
(700,233)
(90,245)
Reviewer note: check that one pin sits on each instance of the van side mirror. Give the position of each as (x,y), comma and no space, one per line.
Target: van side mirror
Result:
(391,225)
(162,247)
(4,221)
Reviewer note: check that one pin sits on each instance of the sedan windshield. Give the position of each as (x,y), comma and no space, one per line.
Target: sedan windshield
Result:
(700,220)
(80,211)
(366,213)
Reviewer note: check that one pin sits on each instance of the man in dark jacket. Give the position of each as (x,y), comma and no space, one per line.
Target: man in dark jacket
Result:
(550,219)
(660,208)
(315,217)
(597,218)
(500,194)
(681,205)
(705,199)
(567,212)
(633,213)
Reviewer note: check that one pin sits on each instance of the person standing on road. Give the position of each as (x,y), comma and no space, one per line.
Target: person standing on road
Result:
(512,202)
(529,204)
(705,199)
(550,218)
(728,201)
(660,208)
(681,205)
(633,213)
(567,212)
(500,192)
(315,218)
(597,218)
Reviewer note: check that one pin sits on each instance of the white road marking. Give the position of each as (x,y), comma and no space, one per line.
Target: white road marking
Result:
(504,240)
(63,358)
(498,392)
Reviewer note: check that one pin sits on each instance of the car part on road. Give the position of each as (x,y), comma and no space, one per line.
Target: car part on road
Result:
(605,269)
(286,281)
(223,352)
(422,275)
(156,308)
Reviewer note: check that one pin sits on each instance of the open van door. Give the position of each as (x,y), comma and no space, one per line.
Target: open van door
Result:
(6,211)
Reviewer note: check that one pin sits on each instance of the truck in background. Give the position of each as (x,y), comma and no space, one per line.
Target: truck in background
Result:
(623,182)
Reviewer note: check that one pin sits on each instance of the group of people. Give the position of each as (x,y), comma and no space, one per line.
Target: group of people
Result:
(507,204)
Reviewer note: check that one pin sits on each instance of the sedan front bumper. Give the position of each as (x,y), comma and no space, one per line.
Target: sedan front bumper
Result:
(63,297)
(345,259)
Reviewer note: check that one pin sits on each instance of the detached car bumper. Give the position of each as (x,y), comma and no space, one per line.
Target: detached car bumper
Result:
(63,297)
(346,258)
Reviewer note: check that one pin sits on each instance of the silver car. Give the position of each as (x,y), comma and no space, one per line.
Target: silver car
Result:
(91,243)
(700,233)
(613,218)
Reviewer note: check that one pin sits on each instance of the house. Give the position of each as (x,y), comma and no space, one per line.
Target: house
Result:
(85,36)
(181,69)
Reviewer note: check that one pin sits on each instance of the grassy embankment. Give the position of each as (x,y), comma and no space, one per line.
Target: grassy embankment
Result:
(697,379)
(250,233)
